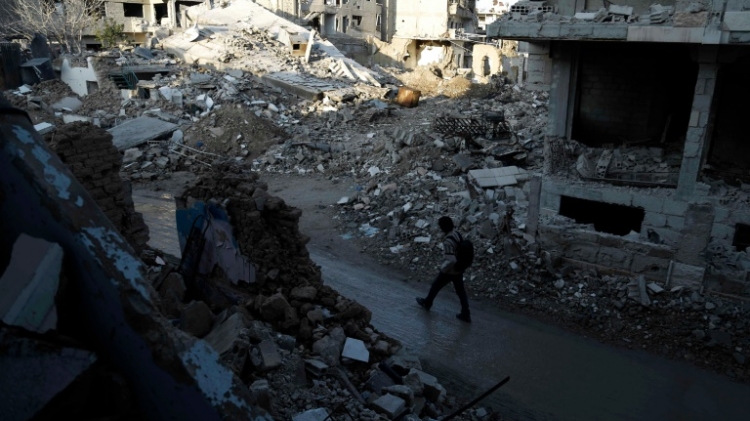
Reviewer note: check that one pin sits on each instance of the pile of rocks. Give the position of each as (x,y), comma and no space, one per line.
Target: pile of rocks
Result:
(287,327)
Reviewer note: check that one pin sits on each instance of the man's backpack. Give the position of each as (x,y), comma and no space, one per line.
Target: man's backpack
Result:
(464,254)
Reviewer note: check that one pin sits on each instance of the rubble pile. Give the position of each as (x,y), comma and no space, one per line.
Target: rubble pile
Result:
(654,165)
(89,153)
(286,325)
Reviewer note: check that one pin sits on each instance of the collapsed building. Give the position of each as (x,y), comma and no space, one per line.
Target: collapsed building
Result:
(647,168)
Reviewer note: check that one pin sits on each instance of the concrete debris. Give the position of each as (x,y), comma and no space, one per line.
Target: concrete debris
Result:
(389,405)
(318,414)
(138,131)
(355,349)
(44,128)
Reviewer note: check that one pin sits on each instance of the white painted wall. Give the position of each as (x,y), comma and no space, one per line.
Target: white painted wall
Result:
(76,77)
(421,18)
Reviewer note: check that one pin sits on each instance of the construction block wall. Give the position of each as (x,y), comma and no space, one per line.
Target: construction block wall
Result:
(95,161)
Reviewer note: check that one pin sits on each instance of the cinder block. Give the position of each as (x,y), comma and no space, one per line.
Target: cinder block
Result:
(551,201)
(675,207)
(721,215)
(613,257)
(617,197)
(655,219)
(675,222)
(722,232)
(651,267)
(584,251)
(648,203)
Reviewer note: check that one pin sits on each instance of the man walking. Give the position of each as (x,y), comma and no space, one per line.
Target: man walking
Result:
(451,270)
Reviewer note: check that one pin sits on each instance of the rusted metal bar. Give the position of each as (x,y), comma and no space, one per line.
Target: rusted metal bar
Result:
(477,400)
(173,375)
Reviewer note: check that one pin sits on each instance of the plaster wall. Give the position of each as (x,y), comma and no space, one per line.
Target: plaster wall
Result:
(421,18)
(76,77)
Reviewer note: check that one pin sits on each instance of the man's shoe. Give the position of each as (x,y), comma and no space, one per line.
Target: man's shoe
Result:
(463,317)
(423,303)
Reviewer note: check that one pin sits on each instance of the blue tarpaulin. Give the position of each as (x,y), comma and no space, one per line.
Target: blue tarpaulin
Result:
(221,247)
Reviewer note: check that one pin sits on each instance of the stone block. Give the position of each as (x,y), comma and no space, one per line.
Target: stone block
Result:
(431,389)
(687,276)
(736,21)
(389,405)
(648,203)
(675,222)
(196,319)
(354,349)
(223,336)
(651,267)
(722,232)
(550,201)
(403,392)
(613,257)
(655,219)
(317,414)
(265,356)
(307,293)
(584,251)
(675,207)
(261,391)
(617,197)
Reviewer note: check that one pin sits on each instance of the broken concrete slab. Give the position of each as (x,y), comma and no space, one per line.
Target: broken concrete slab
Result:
(138,131)
(317,414)
(44,128)
(143,52)
(315,367)
(389,405)
(223,336)
(305,87)
(67,104)
(265,356)
(686,276)
(196,319)
(33,371)
(354,349)
(71,118)
(29,284)
(498,177)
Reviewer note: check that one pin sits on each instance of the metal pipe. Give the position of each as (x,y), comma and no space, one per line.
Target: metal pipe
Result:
(475,401)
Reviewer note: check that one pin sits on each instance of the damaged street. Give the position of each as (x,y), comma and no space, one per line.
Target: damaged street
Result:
(226,209)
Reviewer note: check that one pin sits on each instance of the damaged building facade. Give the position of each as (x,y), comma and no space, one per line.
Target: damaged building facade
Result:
(356,18)
(645,143)
(429,33)
(142,18)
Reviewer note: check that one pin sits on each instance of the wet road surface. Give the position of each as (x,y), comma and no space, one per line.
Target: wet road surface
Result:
(555,375)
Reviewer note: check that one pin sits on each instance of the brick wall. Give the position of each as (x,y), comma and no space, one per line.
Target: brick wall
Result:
(89,153)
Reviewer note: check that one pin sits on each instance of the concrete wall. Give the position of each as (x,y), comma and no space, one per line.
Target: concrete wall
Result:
(76,77)
(421,18)
(368,10)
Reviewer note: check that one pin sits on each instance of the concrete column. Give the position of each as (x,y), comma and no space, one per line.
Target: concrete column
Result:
(561,103)
(699,129)
(172,12)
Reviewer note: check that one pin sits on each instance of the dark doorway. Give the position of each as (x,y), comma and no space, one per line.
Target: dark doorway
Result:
(606,217)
